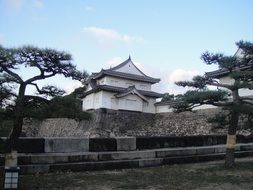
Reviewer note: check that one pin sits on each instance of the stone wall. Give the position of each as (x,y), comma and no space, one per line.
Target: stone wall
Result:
(109,123)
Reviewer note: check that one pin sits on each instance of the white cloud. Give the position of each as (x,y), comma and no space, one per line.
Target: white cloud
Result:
(168,78)
(180,75)
(107,35)
(38,3)
(15,4)
(71,86)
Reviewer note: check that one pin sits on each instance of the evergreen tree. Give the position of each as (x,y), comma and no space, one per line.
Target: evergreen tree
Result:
(45,63)
(240,70)
(167,97)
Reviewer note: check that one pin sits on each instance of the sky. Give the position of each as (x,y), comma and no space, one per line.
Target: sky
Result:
(165,38)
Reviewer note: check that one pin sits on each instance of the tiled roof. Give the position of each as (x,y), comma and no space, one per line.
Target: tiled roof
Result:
(123,64)
(112,72)
(222,72)
(129,90)
(126,76)
(121,90)
(165,103)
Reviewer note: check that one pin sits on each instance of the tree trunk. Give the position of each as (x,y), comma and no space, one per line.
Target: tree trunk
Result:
(18,120)
(231,140)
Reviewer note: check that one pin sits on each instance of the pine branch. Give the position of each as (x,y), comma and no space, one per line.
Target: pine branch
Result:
(246,98)
(14,75)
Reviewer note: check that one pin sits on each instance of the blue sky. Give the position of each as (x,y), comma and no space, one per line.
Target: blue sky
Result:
(165,38)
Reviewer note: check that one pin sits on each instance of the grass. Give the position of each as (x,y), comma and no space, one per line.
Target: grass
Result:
(212,175)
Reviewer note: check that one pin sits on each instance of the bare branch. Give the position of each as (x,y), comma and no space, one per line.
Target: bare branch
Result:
(222,103)
(39,77)
(217,84)
(36,86)
(14,75)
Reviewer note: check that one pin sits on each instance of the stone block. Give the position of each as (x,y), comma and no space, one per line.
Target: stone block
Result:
(24,159)
(126,143)
(31,145)
(102,144)
(244,147)
(89,166)
(205,150)
(150,162)
(237,147)
(175,152)
(220,149)
(46,159)
(127,155)
(66,145)
(89,157)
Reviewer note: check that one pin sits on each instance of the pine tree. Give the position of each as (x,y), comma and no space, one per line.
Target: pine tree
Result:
(239,68)
(45,63)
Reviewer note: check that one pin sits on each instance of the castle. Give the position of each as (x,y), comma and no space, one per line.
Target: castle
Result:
(123,87)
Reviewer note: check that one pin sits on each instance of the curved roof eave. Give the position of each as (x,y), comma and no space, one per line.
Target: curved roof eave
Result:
(126,76)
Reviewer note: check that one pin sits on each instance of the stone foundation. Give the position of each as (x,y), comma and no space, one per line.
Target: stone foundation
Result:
(109,123)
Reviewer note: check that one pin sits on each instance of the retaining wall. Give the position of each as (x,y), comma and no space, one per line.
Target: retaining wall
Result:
(42,155)
(110,123)
(50,145)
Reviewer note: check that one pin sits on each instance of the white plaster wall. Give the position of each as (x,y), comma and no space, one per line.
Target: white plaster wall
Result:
(227,80)
(149,107)
(98,100)
(92,101)
(129,68)
(130,102)
(106,99)
(245,92)
(163,109)
(230,81)
(167,108)
(205,106)
(88,102)
(113,81)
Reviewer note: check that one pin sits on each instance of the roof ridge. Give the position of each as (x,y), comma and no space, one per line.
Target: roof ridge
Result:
(119,65)
(126,75)
(122,89)
(123,64)
(129,90)
(130,74)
